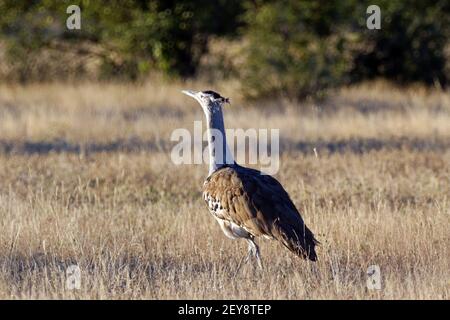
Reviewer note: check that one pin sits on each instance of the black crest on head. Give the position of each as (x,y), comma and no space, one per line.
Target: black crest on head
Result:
(213,93)
(216,96)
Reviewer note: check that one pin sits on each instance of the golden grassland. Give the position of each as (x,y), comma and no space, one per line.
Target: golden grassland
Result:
(86,179)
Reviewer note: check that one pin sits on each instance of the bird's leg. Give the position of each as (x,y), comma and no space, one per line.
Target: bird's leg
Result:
(258,258)
(254,249)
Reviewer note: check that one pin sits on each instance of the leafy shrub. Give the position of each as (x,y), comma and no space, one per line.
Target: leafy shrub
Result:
(289,48)
(295,49)
(135,36)
(409,47)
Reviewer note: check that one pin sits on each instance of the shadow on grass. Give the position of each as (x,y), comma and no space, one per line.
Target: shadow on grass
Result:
(136,145)
(21,271)
(363,145)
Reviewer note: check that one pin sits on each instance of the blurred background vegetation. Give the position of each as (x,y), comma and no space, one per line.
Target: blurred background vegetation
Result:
(290,48)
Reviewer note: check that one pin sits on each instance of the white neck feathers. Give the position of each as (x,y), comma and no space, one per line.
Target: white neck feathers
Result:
(219,152)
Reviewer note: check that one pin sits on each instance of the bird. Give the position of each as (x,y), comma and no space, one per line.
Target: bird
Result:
(246,203)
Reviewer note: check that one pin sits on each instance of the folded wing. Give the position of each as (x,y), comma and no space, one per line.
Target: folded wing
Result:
(259,204)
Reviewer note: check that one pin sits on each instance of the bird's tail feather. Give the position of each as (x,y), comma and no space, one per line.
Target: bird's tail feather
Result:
(299,240)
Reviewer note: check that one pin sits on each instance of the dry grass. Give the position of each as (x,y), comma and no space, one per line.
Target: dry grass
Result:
(86,179)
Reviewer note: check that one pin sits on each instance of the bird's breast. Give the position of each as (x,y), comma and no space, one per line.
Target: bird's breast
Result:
(215,206)
(229,228)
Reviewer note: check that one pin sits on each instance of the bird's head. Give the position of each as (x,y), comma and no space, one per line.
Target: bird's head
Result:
(209,100)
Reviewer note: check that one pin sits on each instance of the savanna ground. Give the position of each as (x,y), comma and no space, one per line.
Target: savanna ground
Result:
(86,179)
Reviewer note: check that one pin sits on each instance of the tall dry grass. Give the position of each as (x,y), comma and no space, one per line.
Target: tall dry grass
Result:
(86,179)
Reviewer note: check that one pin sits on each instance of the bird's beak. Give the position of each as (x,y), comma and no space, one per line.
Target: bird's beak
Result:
(190,93)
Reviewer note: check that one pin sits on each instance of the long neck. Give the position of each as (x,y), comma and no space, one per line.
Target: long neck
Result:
(219,152)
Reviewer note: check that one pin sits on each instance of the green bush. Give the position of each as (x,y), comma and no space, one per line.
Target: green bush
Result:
(291,48)
(295,49)
(131,37)
(300,49)
(409,47)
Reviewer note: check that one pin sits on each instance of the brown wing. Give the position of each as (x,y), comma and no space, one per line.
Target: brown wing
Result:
(260,204)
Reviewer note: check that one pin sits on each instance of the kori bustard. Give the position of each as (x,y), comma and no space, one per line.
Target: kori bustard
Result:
(246,203)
